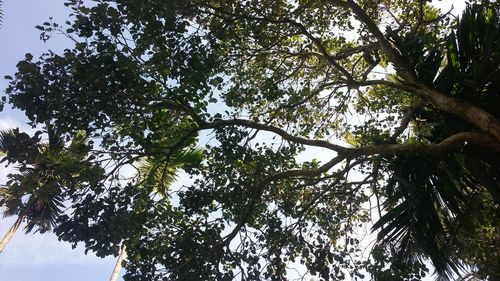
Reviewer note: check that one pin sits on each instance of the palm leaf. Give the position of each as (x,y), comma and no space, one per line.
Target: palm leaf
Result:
(420,210)
(36,191)
(157,174)
(427,197)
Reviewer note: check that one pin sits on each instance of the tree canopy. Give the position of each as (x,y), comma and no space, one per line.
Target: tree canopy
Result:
(402,97)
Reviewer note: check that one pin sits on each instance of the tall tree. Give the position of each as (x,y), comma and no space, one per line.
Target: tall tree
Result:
(35,193)
(452,182)
(118,265)
(408,90)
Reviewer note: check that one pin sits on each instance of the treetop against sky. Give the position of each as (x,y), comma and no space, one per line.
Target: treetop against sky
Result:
(233,95)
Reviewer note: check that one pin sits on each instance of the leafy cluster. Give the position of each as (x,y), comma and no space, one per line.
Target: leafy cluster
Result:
(400,99)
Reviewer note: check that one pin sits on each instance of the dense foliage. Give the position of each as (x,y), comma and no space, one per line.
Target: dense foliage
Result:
(401,99)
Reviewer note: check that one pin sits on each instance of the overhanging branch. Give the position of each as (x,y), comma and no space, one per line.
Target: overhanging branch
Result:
(444,146)
(259,126)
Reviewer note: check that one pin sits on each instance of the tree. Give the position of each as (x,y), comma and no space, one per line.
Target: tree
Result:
(156,175)
(409,90)
(35,194)
(459,178)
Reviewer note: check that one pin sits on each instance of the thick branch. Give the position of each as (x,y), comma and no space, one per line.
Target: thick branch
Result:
(393,54)
(446,145)
(482,119)
(442,147)
(351,51)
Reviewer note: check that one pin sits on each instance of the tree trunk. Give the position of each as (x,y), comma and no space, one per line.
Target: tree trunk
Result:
(10,233)
(118,265)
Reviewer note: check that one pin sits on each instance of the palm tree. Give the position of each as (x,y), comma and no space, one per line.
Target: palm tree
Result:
(118,264)
(431,196)
(156,175)
(35,194)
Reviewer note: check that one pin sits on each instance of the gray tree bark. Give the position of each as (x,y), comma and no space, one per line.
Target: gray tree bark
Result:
(118,265)
(10,233)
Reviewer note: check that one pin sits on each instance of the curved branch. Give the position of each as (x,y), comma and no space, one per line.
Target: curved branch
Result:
(393,54)
(259,190)
(444,146)
(384,149)
(254,125)
(475,115)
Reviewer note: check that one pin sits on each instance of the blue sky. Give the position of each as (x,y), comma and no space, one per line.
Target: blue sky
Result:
(35,256)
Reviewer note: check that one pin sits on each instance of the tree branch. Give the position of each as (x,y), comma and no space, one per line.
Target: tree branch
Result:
(406,119)
(444,146)
(254,125)
(317,42)
(303,30)
(259,190)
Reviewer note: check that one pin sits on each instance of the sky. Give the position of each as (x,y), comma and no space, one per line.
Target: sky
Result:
(36,256)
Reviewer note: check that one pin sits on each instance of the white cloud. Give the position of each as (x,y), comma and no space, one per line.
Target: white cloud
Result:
(43,249)
(8,123)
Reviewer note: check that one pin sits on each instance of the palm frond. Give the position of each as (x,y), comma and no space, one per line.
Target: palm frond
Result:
(36,190)
(79,145)
(43,212)
(192,156)
(11,201)
(159,173)
(425,198)
(6,138)
(56,141)
(428,196)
